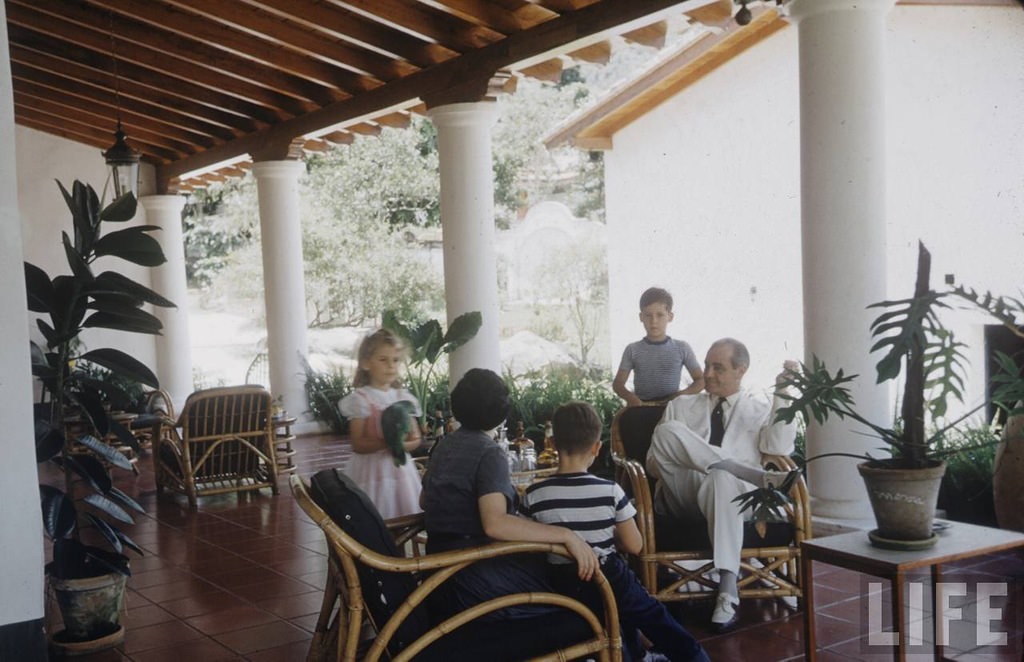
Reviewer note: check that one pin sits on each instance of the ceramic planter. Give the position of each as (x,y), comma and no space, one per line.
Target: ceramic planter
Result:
(903,501)
(91,609)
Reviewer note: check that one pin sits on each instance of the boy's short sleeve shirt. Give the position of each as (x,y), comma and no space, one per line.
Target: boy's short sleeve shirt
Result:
(657,367)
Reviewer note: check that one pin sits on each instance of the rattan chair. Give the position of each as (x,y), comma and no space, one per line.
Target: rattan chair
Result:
(376,601)
(157,407)
(222,442)
(676,562)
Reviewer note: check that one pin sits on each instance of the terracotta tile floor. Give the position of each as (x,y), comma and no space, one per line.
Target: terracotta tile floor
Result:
(241,579)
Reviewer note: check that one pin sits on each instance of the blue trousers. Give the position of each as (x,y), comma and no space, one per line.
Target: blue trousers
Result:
(637,610)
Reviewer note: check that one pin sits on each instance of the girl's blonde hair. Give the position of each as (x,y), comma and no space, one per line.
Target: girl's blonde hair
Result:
(369,345)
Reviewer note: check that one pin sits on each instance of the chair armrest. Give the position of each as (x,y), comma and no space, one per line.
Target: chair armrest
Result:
(406,527)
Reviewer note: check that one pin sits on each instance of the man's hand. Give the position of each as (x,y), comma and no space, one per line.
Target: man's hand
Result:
(586,560)
(789,367)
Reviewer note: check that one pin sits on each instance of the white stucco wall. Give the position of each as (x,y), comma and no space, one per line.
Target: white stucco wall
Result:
(703,192)
(41,160)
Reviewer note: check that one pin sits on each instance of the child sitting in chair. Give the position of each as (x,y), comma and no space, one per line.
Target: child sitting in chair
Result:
(599,512)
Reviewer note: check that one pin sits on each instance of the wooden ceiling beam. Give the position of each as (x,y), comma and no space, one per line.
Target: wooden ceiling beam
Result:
(549,70)
(61,56)
(652,35)
(87,134)
(33,66)
(450,31)
(253,20)
(339,138)
(494,15)
(60,34)
(137,132)
(364,129)
(396,120)
(100,108)
(160,15)
(198,55)
(356,29)
(598,53)
(538,42)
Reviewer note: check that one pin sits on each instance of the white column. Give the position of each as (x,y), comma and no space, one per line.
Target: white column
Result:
(843,217)
(174,347)
(284,286)
(467,221)
(21,545)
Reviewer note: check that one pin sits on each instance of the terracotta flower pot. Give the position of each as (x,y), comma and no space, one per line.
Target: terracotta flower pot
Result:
(91,609)
(903,501)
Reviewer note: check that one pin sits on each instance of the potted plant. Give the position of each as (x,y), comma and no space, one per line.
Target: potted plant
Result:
(427,342)
(89,565)
(903,487)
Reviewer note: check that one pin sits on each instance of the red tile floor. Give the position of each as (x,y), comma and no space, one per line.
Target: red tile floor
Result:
(241,579)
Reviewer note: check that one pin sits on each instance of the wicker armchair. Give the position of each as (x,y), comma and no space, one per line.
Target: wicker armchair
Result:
(676,562)
(222,442)
(157,408)
(375,603)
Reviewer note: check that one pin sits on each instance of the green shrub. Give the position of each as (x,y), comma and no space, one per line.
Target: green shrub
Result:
(536,395)
(323,391)
(966,492)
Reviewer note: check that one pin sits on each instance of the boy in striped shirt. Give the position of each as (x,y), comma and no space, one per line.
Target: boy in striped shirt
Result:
(600,513)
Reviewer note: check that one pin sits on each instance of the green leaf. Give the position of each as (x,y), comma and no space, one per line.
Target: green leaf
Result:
(58,512)
(108,507)
(39,289)
(462,329)
(90,469)
(137,321)
(126,500)
(49,441)
(77,262)
(121,209)
(105,451)
(132,244)
(390,321)
(111,282)
(427,338)
(108,533)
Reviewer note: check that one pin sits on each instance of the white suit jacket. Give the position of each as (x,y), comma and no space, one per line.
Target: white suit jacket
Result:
(749,431)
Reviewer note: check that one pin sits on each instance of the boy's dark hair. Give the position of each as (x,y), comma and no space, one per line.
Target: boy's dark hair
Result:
(575,426)
(480,400)
(655,295)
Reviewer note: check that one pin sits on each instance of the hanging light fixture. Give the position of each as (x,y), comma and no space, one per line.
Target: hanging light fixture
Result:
(122,160)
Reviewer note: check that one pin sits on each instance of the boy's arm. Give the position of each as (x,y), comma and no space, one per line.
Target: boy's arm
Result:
(697,385)
(619,386)
(499,525)
(627,537)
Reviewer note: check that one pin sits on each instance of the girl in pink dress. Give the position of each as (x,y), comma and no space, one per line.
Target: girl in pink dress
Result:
(393,488)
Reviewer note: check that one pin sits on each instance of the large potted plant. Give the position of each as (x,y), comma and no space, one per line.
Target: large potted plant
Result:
(903,486)
(73,426)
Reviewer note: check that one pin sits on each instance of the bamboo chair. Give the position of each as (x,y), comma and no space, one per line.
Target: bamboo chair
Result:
(157,407)
(222,442)
(676,563)
(383,594)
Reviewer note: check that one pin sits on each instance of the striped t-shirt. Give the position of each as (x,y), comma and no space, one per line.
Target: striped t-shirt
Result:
(582,502)
(657,366)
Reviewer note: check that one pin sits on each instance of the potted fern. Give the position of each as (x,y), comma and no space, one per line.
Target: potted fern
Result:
(89,565)
(903,486)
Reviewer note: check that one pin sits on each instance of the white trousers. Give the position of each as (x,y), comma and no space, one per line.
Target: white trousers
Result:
(687,489)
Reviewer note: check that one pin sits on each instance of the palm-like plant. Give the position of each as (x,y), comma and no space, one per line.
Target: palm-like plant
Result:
(915,340)
(69,304)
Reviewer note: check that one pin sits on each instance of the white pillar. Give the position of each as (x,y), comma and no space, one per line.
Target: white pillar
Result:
(284,286)
(843,216)
(174,347)
(21,545)
(467,221)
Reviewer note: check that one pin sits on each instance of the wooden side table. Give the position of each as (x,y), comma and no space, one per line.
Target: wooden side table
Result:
(854,551)
(283,439)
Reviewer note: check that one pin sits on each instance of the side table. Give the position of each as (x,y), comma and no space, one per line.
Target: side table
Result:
(283,439)
(854,551)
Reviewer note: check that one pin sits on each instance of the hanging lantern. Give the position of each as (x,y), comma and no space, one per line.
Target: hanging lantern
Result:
(123,162)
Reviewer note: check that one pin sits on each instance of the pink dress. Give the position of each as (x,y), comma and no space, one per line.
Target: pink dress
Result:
(394,490)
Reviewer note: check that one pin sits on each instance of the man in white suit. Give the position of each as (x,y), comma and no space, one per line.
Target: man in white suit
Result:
(707,450)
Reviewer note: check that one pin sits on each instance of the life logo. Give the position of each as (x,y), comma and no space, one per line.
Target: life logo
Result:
(964,613)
